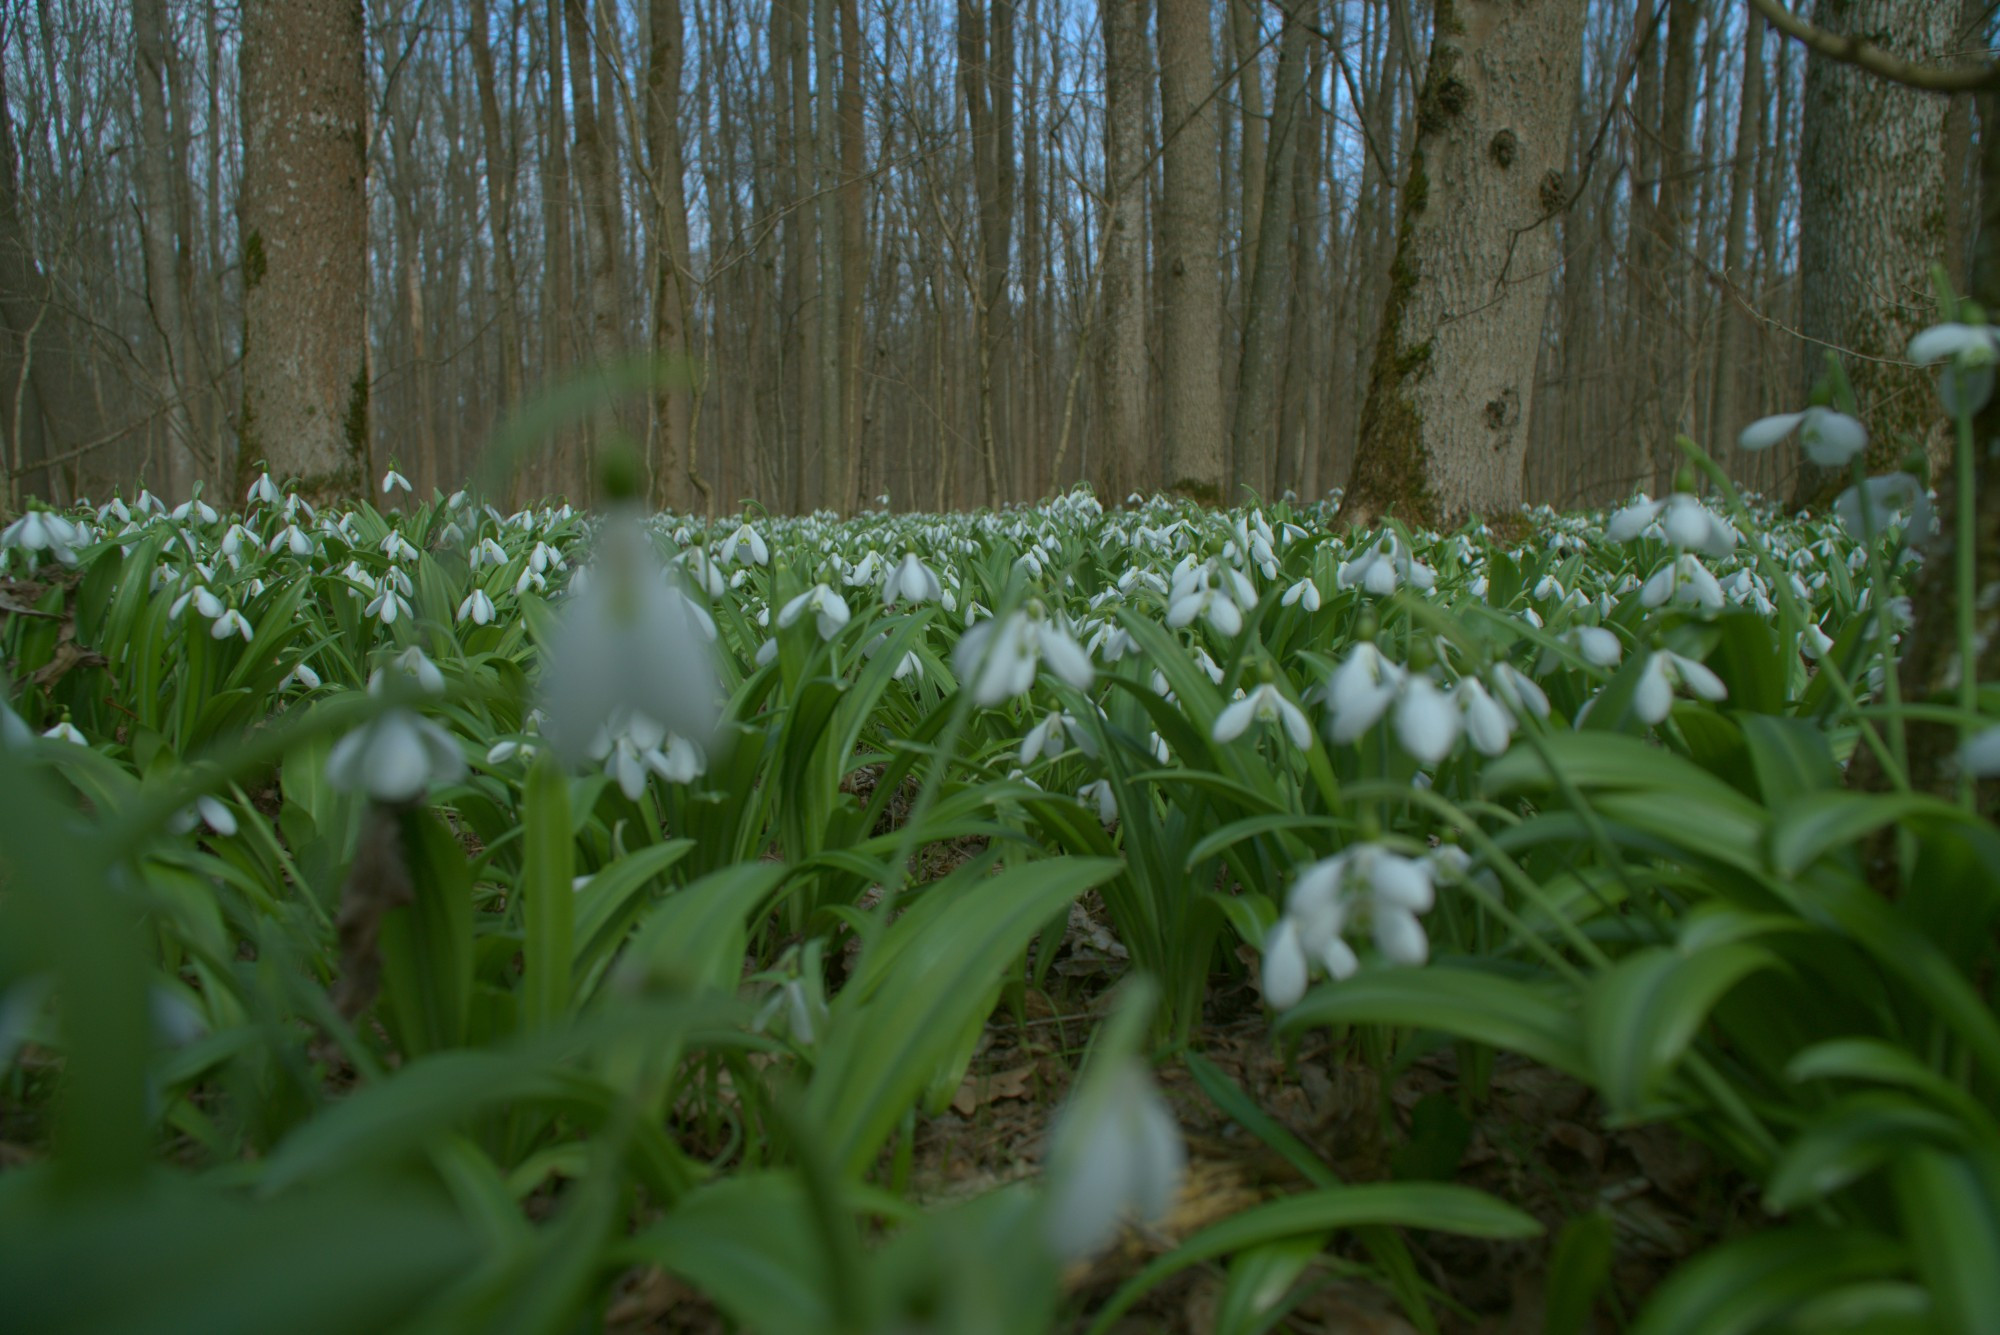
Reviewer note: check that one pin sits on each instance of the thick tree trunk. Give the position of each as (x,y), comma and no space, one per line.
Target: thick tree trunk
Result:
(1728,417)
(1125,463)
(1444,429)
(986,71)
(834,449)
(1872,222)
(1191,288)
(304,229)
(600,219)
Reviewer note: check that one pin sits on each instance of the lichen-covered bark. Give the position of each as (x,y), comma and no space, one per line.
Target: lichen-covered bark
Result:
(305,238)
(1872,221)
(1444,427)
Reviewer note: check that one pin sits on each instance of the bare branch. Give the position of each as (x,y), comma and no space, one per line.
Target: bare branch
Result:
(1866,55)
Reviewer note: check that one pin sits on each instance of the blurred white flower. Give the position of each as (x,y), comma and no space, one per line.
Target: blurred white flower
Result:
(394,757)
(66,731)
(1653,699)
(1305,593)
(745,544)
(1685,581)
(997,660)
(1681,520)
(477,608)
(1366,880)
(1360,692)
(1880,502)
(1115,1150)
(1099,795)
(394,481)
(911,580)
(1980,754)
(629,641)
(1830,439)
(205,811)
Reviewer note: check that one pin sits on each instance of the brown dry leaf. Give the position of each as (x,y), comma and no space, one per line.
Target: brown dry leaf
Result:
(979,1090)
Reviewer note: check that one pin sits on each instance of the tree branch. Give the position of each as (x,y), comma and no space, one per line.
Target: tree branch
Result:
(1866,55)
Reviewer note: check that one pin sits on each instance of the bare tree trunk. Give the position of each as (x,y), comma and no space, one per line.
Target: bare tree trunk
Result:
(1444,430)
(185,461)
(672,448)
(600,222)
(853,251)
(1126,465)
(1724,420)
(558,291)
(499,205)
(1191,300)
(1871,178)
(986,69)
(305,241)
(1265,309)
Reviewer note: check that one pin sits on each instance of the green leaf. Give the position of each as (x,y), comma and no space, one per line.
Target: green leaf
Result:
(1459,1000)
(1743,1286)
(747,1244)
(1814,824)
(1578,1272)
(1850,1140)
(1640,1016)
(1446,1209)
(547,901)
(611,899)
(1953,1222)
(427,944)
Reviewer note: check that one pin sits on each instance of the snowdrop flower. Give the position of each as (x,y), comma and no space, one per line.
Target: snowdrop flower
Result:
(1894,498)
(302,676)
(999,659)
(388,604)
(1099,795)
(1265,704)
(1305,593)
(1970,351)
(828,608)
(1426,724)
(262,492)
(66,731)
(1519,692)
(477,608)
(205,811)
(1830,439)
(1814,642)
(1653,699)
(42,531)
(204,600)
(1369,880)
(628,641)
(745,544)
(1681,520)
(1487,724)
(194,508)
(1683,580)
(413,664)
(397,547)
(1046,739)
(1360,691)
(1980,755)
(231,622)
(393,481)
(911,581)
(1597,646)
(394,758)
(487,552)
(1384,566)
(1114,1150)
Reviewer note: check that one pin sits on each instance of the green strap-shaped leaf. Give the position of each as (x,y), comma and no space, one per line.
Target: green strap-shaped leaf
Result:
(1464,1002)
(548,904)
(1640,1016)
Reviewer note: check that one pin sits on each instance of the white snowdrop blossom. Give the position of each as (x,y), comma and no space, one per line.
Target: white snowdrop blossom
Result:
(1830,439)
(1683,581)
(629,641)
(1265,704)
(394,481)
(66,731)
(1114,1150)
(205,811)
(745,544)
(1098,795)
(997,660)
(1385,565)
(1680,520)
(1488,725)
(1305,593)
(476,608)
(1980,754)
(1653,699)
(262,492)
(1367,881)
(40,531)
(394,758)
(1045,740)
(231,622)
(910,580)
(1426,723)
(828,608)
(411,664)
(1882,502)
(1360,692)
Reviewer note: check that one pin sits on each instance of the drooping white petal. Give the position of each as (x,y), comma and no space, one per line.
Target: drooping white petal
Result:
(1233,721)
(1980,754)
(1830,439)
(1765,432)
(1426,724)
(1400,937)
(1653,697)
(1284,974)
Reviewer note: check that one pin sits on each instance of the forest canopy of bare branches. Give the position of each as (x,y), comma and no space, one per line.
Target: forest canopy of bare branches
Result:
(932,250)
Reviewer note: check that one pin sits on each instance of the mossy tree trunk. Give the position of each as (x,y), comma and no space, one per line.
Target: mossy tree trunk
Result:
(1444,427)
(305,242)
